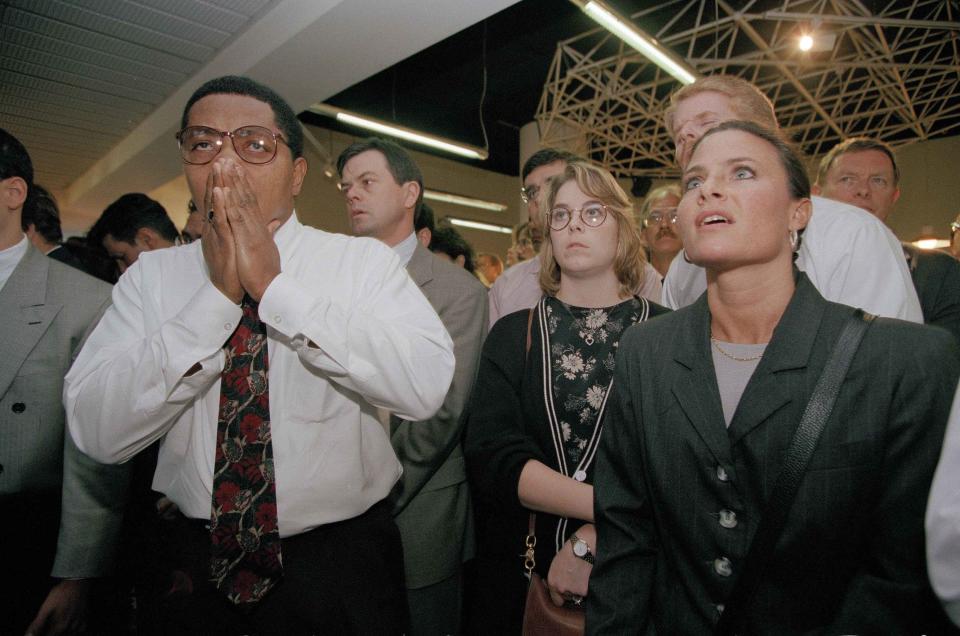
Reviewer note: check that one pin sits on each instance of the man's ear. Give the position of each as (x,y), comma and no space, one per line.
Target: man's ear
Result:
(299,174)
(13,192)
(896,194)
(424,235)
(148,237)
(460,260)
(411,194)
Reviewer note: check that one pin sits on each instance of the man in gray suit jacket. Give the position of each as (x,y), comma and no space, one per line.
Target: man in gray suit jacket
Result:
(46,308)
(383,187)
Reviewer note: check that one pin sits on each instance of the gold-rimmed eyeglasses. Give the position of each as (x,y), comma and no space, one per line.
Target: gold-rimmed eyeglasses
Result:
(253,144)
(592,215)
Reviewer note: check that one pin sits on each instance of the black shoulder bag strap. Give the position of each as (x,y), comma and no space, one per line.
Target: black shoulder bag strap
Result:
(795,464)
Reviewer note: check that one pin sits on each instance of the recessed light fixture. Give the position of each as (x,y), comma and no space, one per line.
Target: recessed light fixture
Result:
(401,132)
(806,42)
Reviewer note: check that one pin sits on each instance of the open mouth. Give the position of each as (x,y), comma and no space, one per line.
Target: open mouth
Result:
(712,219)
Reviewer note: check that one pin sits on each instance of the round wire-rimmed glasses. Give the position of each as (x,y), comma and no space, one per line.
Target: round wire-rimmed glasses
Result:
(592,215)
(657,215)
(254,144)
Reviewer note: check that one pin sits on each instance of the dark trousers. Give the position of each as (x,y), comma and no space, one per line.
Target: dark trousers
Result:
(340,578)
(29,525)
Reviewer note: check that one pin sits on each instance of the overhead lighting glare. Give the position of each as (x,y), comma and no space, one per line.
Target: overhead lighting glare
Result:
(806,42)
(931,243)
(476,225)
(613,22)
(470,202)
(401,132)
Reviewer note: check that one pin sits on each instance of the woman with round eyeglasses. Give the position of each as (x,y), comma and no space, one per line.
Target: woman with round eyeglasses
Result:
(658,216)
(537,411)
(709,398)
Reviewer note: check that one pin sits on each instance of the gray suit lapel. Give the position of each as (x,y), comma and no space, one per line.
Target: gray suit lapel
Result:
(695,388)
(770,388)
(24,312)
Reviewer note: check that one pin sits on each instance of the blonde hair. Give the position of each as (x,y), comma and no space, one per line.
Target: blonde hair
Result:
(746,100)
(670,189)
(597,183)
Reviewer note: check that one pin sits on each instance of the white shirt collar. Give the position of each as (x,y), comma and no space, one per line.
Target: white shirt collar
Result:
(406,248)
(10,258)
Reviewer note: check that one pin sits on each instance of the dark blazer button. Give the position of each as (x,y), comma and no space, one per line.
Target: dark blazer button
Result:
(1,469)
(18,407)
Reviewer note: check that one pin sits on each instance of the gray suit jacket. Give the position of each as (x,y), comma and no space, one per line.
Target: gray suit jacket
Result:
(432,501)
(46,309)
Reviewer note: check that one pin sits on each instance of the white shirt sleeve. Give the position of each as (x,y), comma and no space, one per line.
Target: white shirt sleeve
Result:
(127,386)
(684,283)
(389,346)
(943,519)
(853,258)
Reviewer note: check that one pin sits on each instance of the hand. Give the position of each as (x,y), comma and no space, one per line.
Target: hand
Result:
(64,611)
(569,574)
(166,509)
(258,259)
(217,240)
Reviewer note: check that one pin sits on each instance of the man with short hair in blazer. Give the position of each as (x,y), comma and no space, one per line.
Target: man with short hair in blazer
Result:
(383,187)
(46,308)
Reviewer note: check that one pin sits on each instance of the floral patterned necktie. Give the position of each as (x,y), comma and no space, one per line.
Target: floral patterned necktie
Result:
(245,557)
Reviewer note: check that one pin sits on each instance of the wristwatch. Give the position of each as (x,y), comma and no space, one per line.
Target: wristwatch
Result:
(581,549)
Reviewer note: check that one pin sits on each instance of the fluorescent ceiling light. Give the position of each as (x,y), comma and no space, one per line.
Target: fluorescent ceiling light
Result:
(931,243)
(476,225)
(619,26)
(401,132)
(470,202)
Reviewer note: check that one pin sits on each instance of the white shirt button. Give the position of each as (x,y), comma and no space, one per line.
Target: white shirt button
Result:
(227,326)
(722,566)
(277,318)
(580,475)
(728,519)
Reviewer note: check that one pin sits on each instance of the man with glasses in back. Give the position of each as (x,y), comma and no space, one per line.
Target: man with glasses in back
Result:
(259,356)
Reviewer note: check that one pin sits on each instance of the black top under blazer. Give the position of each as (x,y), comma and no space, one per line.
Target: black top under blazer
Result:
(678,496)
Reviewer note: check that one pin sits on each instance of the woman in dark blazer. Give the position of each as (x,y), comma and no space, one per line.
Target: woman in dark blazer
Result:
(535,418)
(707,400)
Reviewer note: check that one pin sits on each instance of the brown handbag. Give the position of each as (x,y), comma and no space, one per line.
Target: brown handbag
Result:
(540,616)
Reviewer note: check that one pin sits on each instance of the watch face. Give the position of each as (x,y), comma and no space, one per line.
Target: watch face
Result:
(580,548)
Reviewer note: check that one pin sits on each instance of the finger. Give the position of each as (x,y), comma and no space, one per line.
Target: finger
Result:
(39,624)
(221,220)
(248,196)
(208,196)
(555,597)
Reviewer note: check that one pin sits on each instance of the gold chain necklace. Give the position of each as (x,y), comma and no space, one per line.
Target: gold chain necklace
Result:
(733,357)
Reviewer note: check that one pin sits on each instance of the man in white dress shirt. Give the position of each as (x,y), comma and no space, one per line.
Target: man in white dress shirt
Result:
(850,256)
(347,332)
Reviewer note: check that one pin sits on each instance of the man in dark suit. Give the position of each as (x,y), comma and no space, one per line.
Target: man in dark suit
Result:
(47,487)
(383,187)
(132,224)
(864,172)
(40,221)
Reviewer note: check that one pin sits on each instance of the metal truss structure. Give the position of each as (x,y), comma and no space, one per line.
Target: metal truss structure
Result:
(890,72)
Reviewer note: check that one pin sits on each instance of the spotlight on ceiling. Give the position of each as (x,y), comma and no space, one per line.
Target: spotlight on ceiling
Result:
(806,42)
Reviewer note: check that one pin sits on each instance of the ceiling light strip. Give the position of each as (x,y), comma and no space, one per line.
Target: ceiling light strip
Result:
(470,202)
(476,225)
(647,46)
(401,132)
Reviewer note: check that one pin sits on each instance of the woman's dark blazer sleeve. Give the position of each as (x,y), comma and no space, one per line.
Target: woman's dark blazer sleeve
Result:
(626,536)
(497,443)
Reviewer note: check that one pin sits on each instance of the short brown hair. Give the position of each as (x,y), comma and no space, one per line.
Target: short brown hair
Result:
(669,189)
(746,100)
(597,183)
(857,144)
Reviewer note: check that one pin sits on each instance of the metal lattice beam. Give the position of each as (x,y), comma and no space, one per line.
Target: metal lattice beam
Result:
(893,75)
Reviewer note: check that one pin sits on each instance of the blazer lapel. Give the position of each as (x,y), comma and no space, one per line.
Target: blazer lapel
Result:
(696,389)
(26,315)
(769,388)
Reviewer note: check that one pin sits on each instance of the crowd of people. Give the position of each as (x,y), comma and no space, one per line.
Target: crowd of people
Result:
(728,409)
